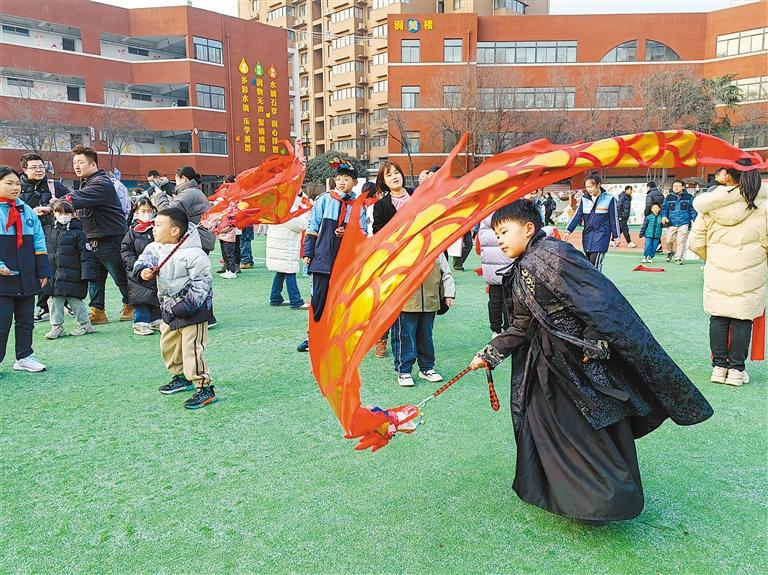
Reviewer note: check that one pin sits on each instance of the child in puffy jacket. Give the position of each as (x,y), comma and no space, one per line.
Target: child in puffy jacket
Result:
(651,231)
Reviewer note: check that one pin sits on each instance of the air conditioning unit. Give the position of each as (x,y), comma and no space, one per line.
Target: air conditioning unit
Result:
(298,22)
(304,91)
(361,26)
(301,45)
(362,80)
(363,156)
(305,115)
(363,132)
(302,69)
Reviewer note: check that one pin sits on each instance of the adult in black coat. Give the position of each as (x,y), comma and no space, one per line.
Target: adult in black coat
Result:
(654,196)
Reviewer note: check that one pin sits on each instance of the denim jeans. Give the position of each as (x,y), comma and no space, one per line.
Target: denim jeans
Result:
(246,255)
(77,306)
(411,337)
(108,262)
(294,295)
(143,313)
(651,245)
(22,311)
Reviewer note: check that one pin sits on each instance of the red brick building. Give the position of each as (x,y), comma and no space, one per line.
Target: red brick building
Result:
(163,87)
(508,79)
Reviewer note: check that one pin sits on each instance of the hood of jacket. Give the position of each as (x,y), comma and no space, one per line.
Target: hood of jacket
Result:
(726,206)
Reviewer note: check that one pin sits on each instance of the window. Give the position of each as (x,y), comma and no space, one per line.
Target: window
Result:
(21,82)
(451,96)
(379,59)
(346,67)
(452,50)
(659,52)
(73,93)
(626,52)
(345,14)
(379,115)
(345,119)
(302,10)
(411,96)
(412,143)
(138,51)
(545,97)
(380,141)
(346,145)
(385,3)
(68,44)
(345,41)
(745,42)
(16,30)
(379,31)
(213,143)
(449,141)
(753,89)
(458,4)
(347,93)
(513,5)
(75,140)
(210,96)
(379,87)
(614,96)
(207,50)
(526,52)
(410,50)
(141,97)
(280,13)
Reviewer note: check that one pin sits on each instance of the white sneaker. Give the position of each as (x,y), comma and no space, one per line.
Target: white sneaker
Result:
(631,245)
(735,378)
(82,329)
(56,332)
(228,275)
(405,380)
(745,376)
(719,374)
(430,375)
(142,329)
(29,363)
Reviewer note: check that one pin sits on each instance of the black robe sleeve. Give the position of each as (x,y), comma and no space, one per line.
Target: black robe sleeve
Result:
(504,344)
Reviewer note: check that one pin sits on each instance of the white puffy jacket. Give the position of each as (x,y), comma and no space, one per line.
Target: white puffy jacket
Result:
(284,245)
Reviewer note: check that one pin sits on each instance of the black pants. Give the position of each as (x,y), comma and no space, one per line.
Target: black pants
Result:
(548,217)
(733,356)
(497,311)
(320,283)
(108,262)
(466,247)
(42,302)
(624,229)
(229,253)
(596,258)
(22,309)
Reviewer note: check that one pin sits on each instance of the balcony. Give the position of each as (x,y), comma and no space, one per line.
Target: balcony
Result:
(136,96)
(354,24)
(33,85)
(353,78)
(145,48)
(163,142)
(38,34)
(352,51)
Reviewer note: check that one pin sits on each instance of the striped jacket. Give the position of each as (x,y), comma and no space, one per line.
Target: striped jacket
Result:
(30,260)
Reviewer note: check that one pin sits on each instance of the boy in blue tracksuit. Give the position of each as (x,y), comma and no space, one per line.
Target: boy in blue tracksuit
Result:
(327,222)
(24,270)
(600,218)
(677,212)
(651,231)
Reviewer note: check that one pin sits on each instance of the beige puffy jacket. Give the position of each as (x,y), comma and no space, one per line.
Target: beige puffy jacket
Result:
(734,243)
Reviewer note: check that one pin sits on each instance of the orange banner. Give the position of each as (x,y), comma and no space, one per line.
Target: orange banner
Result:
(372,278)
(261,195)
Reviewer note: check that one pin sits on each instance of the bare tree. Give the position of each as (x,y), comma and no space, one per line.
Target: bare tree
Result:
(401,136)
(118,128)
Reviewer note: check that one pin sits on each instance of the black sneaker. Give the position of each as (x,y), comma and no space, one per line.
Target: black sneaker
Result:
(203,396)
(669,257)
(303,346)
(178,383)
(41,315)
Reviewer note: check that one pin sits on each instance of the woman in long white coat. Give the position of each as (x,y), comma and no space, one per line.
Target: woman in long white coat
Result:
(731,235)
(283,253)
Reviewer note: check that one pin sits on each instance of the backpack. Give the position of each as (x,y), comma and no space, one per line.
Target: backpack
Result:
(122,194)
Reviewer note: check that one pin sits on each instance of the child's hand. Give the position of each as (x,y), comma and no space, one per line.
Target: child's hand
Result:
(449,301)
(4,271)
(307,260)
(147,274)
(477,363)
(340,231)
(565,236)
(43,282)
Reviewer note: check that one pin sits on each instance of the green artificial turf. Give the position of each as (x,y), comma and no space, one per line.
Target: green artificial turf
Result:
(102,474)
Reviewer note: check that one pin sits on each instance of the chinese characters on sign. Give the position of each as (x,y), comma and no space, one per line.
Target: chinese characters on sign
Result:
(264,109)
(412,25)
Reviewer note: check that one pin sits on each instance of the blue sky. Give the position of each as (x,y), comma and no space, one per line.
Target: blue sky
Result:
(557,6)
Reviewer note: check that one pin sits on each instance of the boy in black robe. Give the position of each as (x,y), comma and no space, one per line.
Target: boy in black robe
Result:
(588,377)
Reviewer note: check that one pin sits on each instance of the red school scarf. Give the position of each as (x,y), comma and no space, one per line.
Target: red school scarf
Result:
(142,227)
(14,219)
(346,202)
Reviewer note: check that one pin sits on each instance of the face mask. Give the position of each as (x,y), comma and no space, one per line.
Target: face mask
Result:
(64,220)
(144,217)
